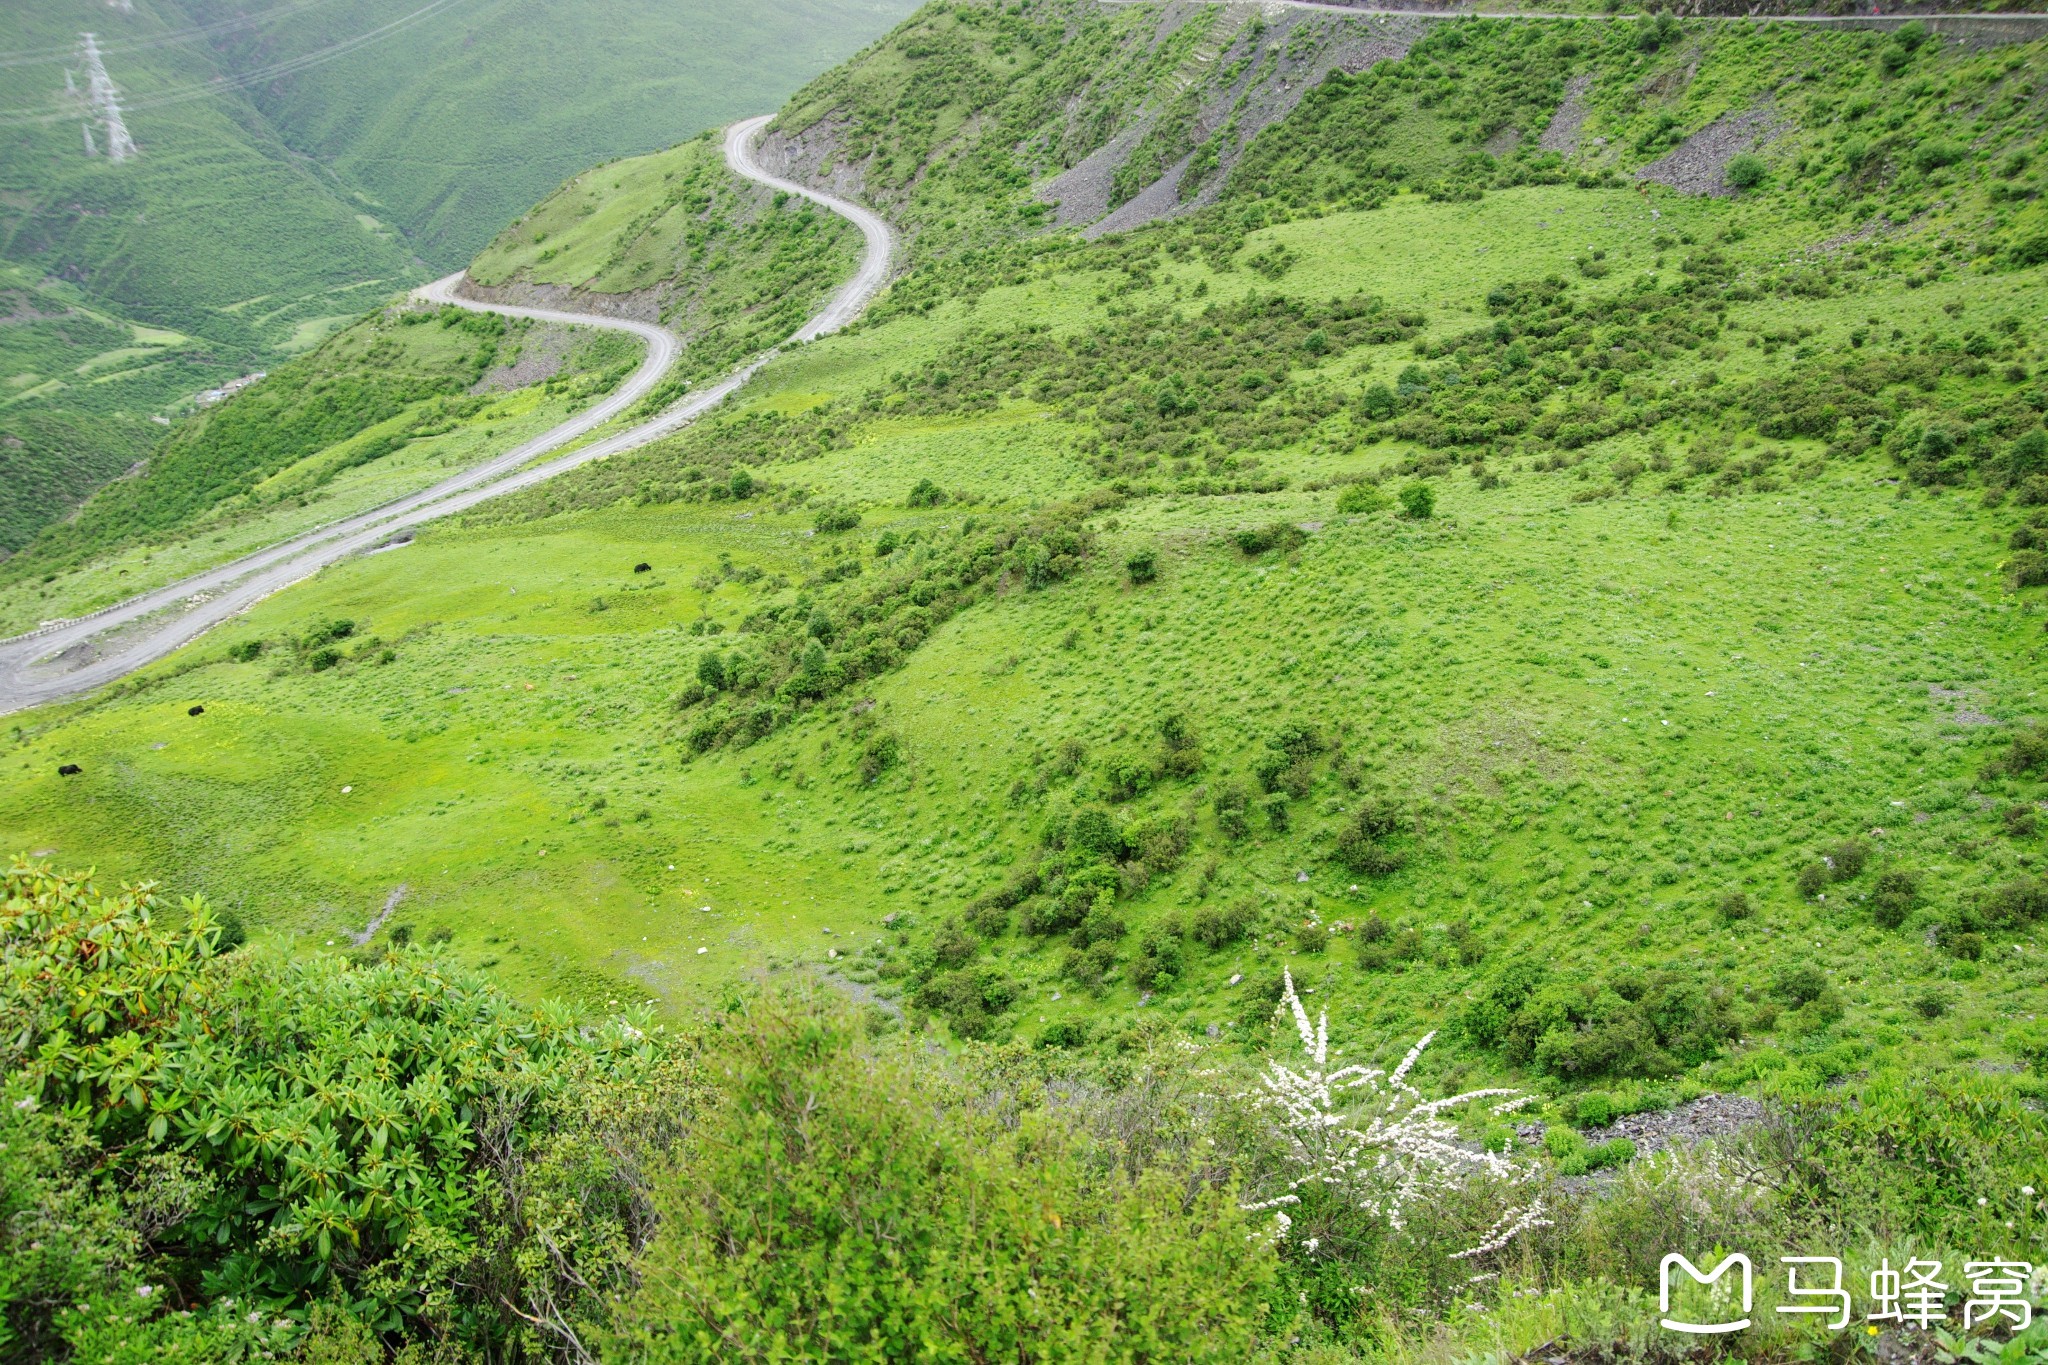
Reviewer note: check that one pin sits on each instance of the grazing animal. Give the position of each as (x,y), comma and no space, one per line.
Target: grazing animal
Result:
(69,770)
(642,567)
(196,711)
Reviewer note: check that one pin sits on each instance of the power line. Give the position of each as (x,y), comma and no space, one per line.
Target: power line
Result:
(46,56)
(17,118)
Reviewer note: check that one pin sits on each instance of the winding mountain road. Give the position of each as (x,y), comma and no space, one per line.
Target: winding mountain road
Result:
(71,657)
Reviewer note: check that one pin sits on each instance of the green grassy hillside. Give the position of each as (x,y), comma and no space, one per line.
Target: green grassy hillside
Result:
(490,107)
(1674,649)
(731,267)
(381,409)
(256,220)
(1548,552)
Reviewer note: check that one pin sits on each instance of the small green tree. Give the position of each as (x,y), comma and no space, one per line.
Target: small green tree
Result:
(1418,501)
(1746,171)
(1361,499)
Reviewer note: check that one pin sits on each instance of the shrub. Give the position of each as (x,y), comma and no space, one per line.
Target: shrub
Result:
(1797,985)
(829,1207)
(1735,906)
(1180,748)
(1362,499)
(187,1065)
(1654,1024)
(925,494)
(1969,947)
(1217,926)
(2016,904)
(1065,1033)
(1279,535)
(1311,937)
(882,752)
(1812,880)
(2028,455)
(1936,152)
(1142,567)
(1158,961)
(1275,807)
(1893,897)
(835,518)
(1848,859)
(1746,171)
(1418,501)
(2026,569)
(1363,846)
(2027,753)
(1232,804)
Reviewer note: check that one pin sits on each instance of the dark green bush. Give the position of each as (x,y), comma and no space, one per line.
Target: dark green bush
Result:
(1143,567)
(1279,535)
(1654,1024)
(1159,959)
(1893,897)
(1218,926)
(1812,880)
(837,517)
(1746,171)
(1365,845)
(1418,501)
(1232,804)
(2015,904)
(2026,569)
(1361,499)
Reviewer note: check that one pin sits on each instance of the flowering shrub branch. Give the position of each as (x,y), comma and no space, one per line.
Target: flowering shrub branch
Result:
(1370,1135)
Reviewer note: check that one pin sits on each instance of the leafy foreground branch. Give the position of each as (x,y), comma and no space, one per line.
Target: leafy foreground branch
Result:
(209,1153)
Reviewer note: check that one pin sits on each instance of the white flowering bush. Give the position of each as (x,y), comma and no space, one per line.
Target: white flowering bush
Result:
(1371,1137)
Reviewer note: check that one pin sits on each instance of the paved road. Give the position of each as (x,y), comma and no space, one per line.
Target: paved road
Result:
(72,657)
(1338,7)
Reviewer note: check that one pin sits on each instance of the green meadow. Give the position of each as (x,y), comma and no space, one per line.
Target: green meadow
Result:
(1539,555)
(1603,715)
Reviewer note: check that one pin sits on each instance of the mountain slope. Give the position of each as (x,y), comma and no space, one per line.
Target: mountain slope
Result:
(258,215)
(498,101)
